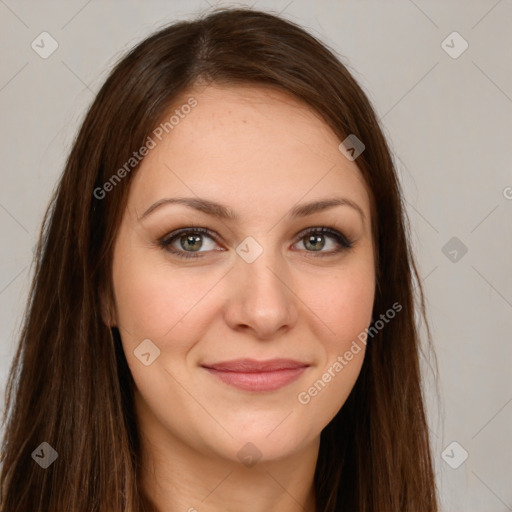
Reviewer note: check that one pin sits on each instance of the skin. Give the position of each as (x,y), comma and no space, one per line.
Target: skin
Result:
(260,152)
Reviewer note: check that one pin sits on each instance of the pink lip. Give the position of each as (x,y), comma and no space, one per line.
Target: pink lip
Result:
(252,375)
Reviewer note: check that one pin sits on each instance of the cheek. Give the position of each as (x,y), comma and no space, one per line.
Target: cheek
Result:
(344,309)
(152,298)
(345,306)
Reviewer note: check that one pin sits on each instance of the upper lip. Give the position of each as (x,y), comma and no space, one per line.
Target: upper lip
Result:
(253,366)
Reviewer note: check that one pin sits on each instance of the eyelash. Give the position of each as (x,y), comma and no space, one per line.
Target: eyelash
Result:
(165,242)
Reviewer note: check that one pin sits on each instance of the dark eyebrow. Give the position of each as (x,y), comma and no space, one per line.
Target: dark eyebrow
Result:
(223,212)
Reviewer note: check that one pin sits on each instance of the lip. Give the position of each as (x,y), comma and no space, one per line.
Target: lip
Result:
(252,375)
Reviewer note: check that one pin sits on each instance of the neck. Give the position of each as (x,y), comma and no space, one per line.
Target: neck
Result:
(176,477)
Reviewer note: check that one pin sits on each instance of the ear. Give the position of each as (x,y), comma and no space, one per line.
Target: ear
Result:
(107,308)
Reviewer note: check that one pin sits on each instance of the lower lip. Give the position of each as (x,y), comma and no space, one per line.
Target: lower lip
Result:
(259,381)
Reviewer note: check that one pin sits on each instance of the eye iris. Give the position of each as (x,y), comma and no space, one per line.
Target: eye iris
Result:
(316,241)
(191,239)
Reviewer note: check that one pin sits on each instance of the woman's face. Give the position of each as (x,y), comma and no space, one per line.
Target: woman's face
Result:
(254,287)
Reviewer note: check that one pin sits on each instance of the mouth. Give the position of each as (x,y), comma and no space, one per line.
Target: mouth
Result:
(257,376)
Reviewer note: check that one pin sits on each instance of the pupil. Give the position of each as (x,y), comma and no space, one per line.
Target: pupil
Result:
(192,239)
(315,241)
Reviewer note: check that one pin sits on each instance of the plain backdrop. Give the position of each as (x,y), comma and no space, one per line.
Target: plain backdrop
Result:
(445,103)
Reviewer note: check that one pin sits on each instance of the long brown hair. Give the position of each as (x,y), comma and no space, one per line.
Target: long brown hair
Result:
(70,385)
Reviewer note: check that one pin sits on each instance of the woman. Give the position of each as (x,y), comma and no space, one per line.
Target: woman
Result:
(222,313)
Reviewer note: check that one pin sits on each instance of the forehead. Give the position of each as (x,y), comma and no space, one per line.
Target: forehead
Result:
(248,147)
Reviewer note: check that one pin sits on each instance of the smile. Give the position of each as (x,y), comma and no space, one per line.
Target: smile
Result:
(257,376)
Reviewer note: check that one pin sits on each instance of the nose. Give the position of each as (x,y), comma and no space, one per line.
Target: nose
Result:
(261,299)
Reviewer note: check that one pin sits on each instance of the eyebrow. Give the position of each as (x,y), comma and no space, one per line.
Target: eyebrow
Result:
(223,212)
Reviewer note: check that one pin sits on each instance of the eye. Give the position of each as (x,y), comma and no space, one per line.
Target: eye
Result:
(314,240)
(187,242)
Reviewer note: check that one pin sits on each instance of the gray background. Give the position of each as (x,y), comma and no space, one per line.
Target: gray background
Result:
(449,124)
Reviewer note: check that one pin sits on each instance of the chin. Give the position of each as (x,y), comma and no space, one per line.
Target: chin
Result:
(254,445)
